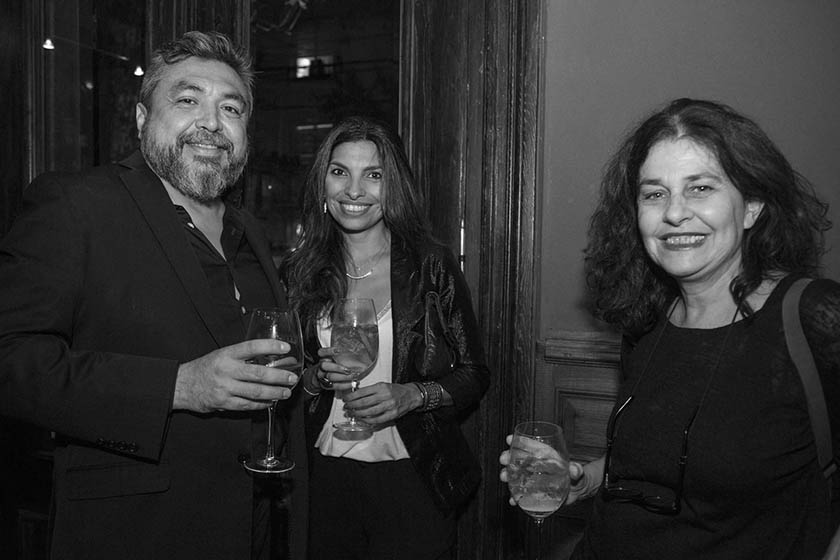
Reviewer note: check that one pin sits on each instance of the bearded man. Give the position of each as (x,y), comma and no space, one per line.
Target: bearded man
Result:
(126,289)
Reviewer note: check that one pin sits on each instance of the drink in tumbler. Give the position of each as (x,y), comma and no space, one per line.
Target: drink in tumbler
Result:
(539,486)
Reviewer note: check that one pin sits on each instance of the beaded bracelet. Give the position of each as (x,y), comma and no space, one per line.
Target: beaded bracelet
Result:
(435,392)
(432,394)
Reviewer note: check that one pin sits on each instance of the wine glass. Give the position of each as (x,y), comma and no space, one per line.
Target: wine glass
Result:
(280,324)
(538,473)
(355,342)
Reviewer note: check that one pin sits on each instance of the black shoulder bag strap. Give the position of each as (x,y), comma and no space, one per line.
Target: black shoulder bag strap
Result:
(802,358)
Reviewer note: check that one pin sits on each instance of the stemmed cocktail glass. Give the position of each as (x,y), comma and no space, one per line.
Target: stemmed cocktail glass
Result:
(280,324)
(355,342)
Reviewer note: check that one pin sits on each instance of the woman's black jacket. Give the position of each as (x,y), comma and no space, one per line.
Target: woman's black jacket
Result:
(434,440)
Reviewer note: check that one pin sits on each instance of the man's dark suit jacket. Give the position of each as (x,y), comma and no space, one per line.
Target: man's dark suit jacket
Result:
(102,298)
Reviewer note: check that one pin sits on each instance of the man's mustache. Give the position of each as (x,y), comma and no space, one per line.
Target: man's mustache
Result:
(216,139)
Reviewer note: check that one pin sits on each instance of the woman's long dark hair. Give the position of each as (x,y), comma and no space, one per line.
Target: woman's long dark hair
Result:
(627,289)
(315,270)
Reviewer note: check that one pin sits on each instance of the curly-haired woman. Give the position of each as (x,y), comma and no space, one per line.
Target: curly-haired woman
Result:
(701,229)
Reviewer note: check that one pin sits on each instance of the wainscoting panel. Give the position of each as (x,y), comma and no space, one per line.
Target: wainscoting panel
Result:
(576,385)
(577,377)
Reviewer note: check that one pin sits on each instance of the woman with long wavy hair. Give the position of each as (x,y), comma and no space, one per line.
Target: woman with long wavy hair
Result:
(396,493)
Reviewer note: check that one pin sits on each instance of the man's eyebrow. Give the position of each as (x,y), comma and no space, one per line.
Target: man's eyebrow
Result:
(187,85)
(182,85)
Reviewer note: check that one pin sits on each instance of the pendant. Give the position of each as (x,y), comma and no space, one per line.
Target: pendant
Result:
(362,277)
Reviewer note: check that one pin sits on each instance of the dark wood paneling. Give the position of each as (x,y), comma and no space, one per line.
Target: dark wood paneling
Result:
(471,78)
(13,100)
(576,382)
(435,78)
(511,134)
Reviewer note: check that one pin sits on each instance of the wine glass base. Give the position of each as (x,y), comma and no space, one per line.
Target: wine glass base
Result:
(277,466)
(352,432)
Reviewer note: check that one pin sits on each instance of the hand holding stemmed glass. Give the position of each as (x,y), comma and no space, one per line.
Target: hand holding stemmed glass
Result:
(538,472)
(279,324)
(355,347)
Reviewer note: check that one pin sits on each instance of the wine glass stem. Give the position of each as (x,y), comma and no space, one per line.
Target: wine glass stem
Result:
(351,418)
(269,447)
(538,552)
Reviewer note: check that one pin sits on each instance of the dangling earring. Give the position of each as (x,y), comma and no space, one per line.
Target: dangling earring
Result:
(325,207)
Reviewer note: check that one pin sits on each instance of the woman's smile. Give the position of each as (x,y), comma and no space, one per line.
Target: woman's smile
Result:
(682,242)
(354,208)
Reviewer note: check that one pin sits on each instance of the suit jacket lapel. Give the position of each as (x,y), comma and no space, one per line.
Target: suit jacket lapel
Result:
(157,209)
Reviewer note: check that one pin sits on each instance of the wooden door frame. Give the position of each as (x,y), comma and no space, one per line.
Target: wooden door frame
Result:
(471,116)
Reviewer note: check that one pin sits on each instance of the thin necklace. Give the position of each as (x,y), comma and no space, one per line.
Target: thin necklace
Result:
(377,256)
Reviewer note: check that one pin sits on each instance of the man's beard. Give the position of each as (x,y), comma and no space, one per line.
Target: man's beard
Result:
(205,179)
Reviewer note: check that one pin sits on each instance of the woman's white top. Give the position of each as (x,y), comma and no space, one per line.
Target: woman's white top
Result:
(386,443)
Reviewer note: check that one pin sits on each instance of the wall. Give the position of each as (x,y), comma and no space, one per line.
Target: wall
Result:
(608,63)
